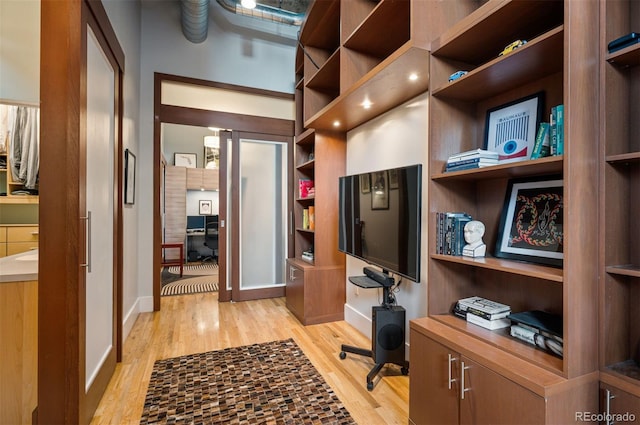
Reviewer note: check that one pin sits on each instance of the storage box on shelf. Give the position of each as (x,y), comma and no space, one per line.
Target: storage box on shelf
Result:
(619,207)
(8,185)
(457,123)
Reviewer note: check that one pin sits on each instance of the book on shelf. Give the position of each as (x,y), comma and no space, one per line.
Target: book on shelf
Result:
(488,324)
(450,232)
(305,188)
(537,339)
(539,321)
(305,218)
(307,255)
(466,164)
(472,154)
(541,145)
(485,315)
(312,217)
(483,304)
(556,130)
(560,130)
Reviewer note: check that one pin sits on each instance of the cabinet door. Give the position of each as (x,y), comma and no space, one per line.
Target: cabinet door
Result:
(210,179)
(489,398)
(194,178)
(295,290)
(433,391)
(619,406)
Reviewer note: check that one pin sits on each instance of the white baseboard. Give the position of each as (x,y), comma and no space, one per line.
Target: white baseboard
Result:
(142,305)
(358,320)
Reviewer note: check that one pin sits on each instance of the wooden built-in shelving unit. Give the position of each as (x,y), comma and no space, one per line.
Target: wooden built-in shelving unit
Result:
(619,227)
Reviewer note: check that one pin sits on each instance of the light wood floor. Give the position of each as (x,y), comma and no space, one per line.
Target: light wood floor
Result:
(190,324)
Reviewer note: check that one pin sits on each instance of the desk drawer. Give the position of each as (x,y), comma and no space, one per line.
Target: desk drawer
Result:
(22,234)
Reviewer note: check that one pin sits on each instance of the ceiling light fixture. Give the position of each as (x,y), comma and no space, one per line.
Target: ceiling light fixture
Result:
(366,104)
(413,76)
(248,4)
(336,123)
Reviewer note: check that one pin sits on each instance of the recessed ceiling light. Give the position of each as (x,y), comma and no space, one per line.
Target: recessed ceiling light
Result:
(413,76)
(366,104)
(336,123)
(249,4)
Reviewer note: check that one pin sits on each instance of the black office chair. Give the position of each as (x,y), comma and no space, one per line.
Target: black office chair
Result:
(211,237)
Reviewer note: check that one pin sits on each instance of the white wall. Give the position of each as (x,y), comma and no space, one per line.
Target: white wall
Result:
(125,19)
(253,60)
(395,139)
(20,50)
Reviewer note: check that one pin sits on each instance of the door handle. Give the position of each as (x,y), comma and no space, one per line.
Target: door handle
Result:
(292,273)
(87,260)
(450,380)
(609,397)
(462,388)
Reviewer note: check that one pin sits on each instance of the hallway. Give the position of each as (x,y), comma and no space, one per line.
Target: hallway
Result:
(197,323)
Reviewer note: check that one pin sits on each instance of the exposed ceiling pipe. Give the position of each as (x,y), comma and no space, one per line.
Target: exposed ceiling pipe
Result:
(195,19)
(264,12)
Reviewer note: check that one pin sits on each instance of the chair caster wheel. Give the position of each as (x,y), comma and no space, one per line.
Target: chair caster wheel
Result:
(404,370)
(369,386)
(343,355)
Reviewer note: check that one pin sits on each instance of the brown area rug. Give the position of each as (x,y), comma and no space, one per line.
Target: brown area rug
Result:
(269,383)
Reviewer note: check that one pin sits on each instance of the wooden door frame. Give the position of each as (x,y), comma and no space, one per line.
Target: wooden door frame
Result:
(169,114)
(61,292)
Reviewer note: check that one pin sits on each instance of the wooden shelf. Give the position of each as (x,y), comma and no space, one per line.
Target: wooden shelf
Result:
(306,166)
(483,34)
(501,339)
(535,60)
(632,270)
(506,266)
(322,26)
(26,199)
(627,158)
(627,57)
(327,78)
(304,230)
(386,86)
(369,37)
(542,166)
(624,375)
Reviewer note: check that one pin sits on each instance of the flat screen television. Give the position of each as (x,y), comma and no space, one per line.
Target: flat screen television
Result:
(379,219)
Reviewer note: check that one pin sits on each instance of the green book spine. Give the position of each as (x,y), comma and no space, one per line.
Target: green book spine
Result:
(539,148)
(553,131)
(560,130)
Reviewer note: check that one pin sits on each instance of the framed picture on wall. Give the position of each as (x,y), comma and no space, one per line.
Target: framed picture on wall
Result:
(185,160)
(129,177)
(206,207)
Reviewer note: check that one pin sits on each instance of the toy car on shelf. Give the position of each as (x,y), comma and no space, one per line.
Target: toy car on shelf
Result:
(457,75)
(513,46)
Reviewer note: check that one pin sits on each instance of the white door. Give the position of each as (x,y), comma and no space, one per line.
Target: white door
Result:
(100,183)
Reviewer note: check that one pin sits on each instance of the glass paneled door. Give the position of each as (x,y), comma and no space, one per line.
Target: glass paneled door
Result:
(258,208)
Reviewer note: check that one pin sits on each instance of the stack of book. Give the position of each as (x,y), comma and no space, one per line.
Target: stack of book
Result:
(550,135)
(450,232)
(538,328)
(308,255)
(476,158)
(483,312)
(309,218)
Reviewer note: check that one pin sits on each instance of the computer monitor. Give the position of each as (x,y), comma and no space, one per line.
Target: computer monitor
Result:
(195,222)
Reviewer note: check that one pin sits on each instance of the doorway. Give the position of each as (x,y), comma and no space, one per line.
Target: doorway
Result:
(277,131)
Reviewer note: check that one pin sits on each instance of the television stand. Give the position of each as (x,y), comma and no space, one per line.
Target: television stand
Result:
(387,330)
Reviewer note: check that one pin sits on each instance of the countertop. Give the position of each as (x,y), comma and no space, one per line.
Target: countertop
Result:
(19,267)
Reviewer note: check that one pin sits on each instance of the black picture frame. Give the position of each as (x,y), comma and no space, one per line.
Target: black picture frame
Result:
(510,129)
(129,177)
(531,224)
